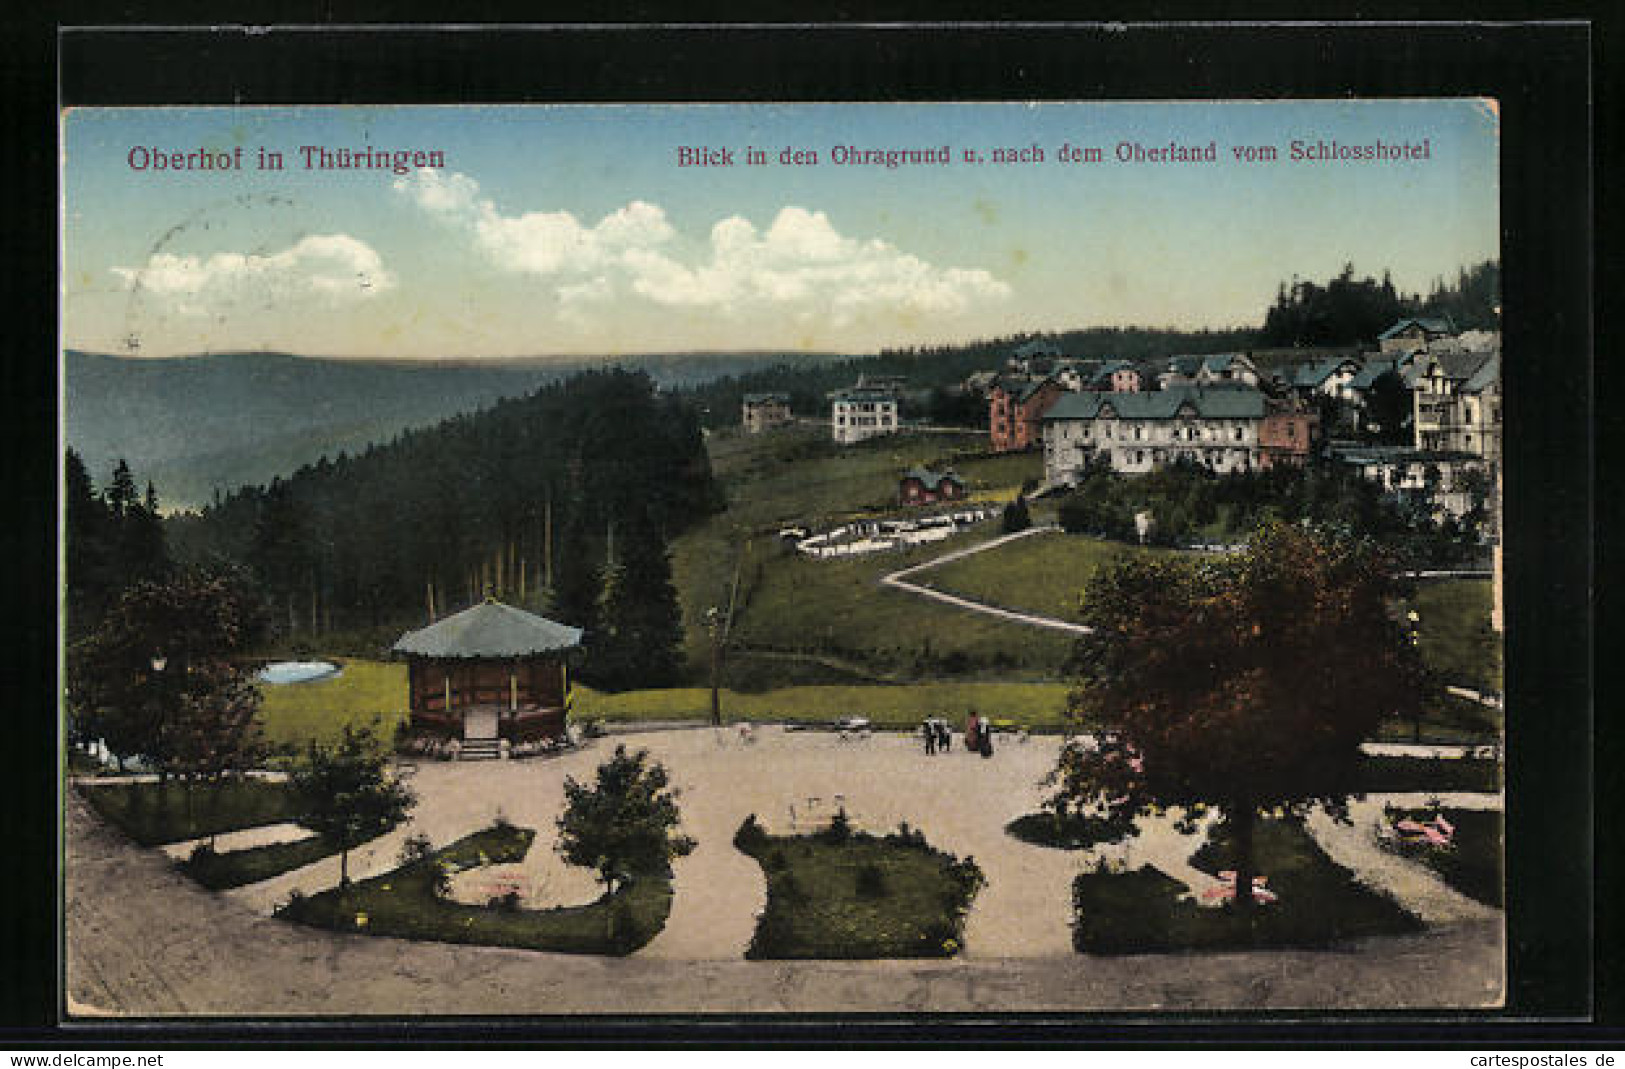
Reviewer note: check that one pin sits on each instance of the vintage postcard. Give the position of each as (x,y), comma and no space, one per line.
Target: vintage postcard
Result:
(760,558)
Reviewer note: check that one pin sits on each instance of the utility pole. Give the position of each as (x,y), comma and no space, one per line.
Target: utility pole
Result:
(713,626)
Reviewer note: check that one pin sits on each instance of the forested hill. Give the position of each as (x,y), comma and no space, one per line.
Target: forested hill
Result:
(495,500)
(1347,310)
(937,368)
(195,424)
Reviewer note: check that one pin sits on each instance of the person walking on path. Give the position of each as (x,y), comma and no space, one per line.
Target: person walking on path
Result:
(987,742)
(930,733)
(972,725)
(945,737)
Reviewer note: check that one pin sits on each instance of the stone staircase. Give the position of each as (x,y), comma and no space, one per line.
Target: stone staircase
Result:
(480,750)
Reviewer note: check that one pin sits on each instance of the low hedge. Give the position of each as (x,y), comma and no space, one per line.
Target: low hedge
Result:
(405,904)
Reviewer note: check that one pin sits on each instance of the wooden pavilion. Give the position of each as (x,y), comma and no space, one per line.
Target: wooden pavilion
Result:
(488,675)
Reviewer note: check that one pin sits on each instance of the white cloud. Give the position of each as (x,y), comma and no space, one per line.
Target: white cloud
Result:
(336,267)
(433,192)
(800,266)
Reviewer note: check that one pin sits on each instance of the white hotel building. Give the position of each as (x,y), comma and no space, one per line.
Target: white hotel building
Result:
(861,413)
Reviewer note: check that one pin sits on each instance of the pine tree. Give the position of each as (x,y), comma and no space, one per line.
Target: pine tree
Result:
(640,640)
(577,575)
(90,553)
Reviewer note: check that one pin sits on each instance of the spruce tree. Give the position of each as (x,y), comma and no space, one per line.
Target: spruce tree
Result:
(640,641)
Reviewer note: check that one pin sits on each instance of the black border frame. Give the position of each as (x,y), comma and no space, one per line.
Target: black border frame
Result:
(1540,73)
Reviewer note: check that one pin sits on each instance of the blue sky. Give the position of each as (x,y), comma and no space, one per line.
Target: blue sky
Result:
(572,230)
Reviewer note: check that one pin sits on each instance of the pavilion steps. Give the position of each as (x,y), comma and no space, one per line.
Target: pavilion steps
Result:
(480,750)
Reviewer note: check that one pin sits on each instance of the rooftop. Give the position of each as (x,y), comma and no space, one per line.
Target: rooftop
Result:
(932,479)
(1429,324)
(1233,403)
(490,630)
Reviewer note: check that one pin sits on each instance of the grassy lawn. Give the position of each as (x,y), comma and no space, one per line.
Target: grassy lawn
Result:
(1044,573)
(1036,705)
(1455,634)
(1320,903)
(797,476)
(857,896)
(838,608)
(354,697)
(1409,775)
(403,904)
(152,814)
(1449,719)
(374,692)
(237,868)
(1472,862)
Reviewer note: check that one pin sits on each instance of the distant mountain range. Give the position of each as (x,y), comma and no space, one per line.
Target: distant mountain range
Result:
(196,424)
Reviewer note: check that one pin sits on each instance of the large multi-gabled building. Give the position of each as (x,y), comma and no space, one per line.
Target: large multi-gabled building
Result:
(1138,432)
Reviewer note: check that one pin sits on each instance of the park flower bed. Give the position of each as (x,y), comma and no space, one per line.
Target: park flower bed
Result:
(842,893)
(1319,903)
(1068,831)
(407,903)
(1472,860)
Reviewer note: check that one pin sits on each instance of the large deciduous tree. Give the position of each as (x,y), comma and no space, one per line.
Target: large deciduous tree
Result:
(1246,683)
(155,679)
(625,824)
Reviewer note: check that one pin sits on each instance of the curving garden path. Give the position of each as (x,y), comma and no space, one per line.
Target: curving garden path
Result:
(143,940)
(899,581)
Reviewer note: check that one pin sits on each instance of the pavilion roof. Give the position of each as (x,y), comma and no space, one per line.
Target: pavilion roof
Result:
(489,630)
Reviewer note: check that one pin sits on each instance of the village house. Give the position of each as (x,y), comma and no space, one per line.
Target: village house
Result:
(1178,371)
(1036,357)
(1138,432)
(1119,376)
(1328,377)
(921,487)
(1437,480)
(1409,335)
(487,681)
(861,413)
(1226,369)
(1016,407)
(1075,375)
(765,410)
(1457,403)
(1288,435)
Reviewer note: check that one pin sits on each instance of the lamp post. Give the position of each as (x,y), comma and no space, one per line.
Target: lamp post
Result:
(713,627)
(1413,621)
(159,662)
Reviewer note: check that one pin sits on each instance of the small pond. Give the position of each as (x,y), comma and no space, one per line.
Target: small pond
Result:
(297,672)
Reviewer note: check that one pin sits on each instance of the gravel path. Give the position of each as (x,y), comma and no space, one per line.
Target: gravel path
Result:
(1412,884)
(899,580)
(247,839)
(142,939)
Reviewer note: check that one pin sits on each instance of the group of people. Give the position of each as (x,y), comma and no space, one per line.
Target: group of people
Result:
(939,738)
